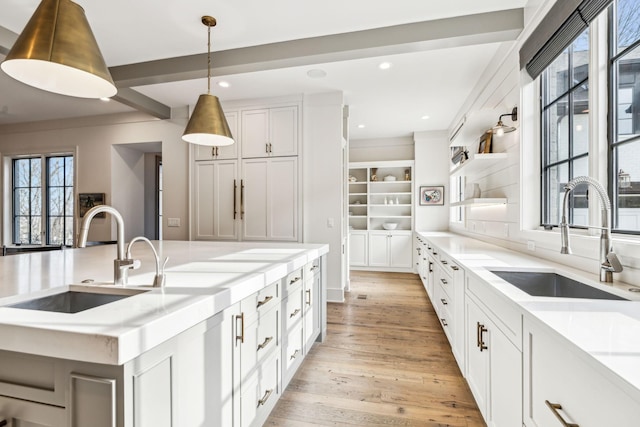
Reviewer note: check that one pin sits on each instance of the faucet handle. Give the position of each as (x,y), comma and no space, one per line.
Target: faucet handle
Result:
(614,263)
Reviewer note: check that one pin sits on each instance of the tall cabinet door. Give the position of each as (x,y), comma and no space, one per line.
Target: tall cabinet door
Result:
(215,199)
(283,131)
(283,198)
(270,199)
(255,133)
(255,189)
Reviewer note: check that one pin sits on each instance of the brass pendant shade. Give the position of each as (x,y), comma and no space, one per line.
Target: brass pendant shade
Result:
(208,125)
(57,52)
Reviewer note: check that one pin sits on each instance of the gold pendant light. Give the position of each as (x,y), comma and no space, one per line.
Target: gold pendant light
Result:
(57,52)
(208,125)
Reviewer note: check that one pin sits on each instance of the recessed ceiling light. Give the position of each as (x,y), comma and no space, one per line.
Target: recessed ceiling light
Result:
(425,117)
(360,126)
(384,65)
(105,99)
(316,73)
(223,83)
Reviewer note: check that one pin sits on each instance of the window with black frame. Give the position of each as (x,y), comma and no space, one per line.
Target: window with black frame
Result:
(43,206)
(565,131)
(624,115)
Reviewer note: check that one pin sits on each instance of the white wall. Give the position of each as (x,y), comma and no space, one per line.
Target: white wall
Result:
(93,139)
(127,184)
(516,224)
(323,182)
(375,150)
(431,168)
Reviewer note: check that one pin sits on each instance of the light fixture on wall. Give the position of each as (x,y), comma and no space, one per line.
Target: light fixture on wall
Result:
(500,128)
(57,52)
(208,125)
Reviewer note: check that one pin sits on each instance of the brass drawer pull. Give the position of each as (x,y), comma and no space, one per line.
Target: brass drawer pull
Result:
(241,336)
(444,301)
(265,343)
(294,280)
(235,192)
(264,301)
(444,262)
(295,312)
(314,268)
(308,291)
(430,267)
(266,396)
(294,355)
(444,321)
(555,407)
(455,268)
(444,282)
(481,331)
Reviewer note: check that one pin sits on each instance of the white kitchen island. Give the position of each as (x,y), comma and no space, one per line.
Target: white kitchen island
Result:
(191,354)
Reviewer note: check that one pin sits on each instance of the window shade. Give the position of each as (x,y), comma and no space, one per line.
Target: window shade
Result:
(564,22)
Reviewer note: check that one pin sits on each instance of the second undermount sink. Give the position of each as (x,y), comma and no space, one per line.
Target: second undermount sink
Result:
(76,300)
(553,285)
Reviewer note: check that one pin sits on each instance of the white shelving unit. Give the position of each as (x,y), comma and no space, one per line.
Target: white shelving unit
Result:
(373,202)
(476,163)
(481,201)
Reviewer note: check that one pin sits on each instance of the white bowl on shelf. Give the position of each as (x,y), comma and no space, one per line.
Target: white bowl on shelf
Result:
(389,178)
(390,225)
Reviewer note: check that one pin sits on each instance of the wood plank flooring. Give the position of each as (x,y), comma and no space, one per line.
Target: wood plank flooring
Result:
(385,362)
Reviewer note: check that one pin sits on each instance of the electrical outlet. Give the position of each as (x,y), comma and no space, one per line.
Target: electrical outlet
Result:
(531,245)
(330,222)
(173,222)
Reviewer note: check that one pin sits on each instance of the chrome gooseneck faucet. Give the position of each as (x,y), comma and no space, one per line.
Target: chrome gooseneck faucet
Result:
(121,264)
(160,278)
(609,262)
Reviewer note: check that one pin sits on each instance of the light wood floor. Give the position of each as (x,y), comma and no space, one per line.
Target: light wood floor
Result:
(385,362)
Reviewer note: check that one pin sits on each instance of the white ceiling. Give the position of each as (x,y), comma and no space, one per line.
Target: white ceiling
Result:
(389,103)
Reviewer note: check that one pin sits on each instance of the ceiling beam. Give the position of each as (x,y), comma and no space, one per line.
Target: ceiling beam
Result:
(7,39)
(140,102)
(458,31)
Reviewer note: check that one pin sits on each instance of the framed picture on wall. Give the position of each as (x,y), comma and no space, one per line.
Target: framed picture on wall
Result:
(88,200)
(432,195)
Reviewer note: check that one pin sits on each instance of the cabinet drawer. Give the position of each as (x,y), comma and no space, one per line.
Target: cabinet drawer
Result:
(24,413)
(292,353)
(292,312)
(292,282)
(260,302)
(261,337)
(312,269)
(506,314)
(260,393)
(445,282)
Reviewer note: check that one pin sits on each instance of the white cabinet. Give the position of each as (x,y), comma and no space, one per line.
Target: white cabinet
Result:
(390,249)
(380,196)
(215,201)
(494,367)
(204,152)
(270,132)
(312,299)
(249,190)
(269,199)
(18,412)
(358,248)
(559,380)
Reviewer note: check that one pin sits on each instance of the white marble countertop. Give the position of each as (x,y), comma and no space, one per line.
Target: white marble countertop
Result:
(203,278)
(604,333)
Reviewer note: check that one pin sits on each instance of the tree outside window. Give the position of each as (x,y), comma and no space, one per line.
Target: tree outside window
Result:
(43,203)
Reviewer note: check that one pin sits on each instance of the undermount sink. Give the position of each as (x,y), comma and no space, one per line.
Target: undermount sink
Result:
(553,285)
(77,300)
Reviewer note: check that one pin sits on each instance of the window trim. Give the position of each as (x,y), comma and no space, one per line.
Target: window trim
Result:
(7,184)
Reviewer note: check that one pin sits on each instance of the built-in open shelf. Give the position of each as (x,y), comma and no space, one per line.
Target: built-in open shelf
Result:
(478,162)
(481,201)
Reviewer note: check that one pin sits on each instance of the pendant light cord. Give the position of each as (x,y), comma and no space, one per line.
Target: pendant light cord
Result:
(208,59)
